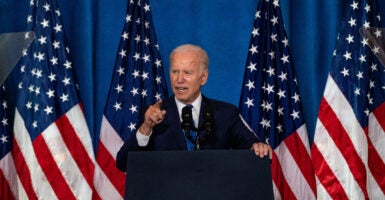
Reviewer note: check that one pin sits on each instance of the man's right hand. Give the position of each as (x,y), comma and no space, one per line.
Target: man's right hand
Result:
(153,116)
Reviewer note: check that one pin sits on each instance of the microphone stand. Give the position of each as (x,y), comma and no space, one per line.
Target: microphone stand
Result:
(197,141)
(188,126)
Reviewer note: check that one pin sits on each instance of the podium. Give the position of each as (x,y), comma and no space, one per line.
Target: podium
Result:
(207,174)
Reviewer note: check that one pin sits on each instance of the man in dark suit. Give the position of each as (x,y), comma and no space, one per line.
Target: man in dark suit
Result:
(164,127)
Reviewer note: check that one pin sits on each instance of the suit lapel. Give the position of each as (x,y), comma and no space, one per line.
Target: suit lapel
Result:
(173,121)
(204,103)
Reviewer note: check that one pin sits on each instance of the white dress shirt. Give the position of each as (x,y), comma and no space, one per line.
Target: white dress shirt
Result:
(143,139)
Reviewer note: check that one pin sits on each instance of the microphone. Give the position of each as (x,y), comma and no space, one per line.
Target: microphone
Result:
(187,121)
(208,120)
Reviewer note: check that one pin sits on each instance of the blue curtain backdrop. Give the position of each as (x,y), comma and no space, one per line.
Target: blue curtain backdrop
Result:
(222,27)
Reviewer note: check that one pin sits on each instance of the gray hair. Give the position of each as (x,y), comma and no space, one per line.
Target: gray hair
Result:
(204,58)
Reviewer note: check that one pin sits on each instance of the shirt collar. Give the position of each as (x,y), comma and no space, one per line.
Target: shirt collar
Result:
(196,107)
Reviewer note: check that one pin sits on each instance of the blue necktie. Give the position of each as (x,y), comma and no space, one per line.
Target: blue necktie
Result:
(189,143)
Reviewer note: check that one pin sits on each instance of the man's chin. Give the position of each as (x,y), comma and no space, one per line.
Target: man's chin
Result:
(181,98)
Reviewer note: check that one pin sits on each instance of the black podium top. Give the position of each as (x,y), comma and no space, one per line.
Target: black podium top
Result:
(211,174)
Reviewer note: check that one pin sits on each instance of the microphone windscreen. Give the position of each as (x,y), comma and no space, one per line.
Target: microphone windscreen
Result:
(187,118)
(207,114)
(186,113)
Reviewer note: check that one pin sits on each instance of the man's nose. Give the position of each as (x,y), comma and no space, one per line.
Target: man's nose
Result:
(180,77)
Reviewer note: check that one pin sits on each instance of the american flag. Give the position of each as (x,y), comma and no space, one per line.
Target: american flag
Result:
(270,104)
(52,149)
(137,82)
(7,166)
(349,143)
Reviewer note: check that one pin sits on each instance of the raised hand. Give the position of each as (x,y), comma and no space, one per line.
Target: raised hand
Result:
(153,116)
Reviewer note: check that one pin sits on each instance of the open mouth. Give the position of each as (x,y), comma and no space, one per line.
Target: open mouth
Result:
(181,89)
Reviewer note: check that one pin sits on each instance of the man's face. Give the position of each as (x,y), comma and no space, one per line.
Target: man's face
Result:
(186,76)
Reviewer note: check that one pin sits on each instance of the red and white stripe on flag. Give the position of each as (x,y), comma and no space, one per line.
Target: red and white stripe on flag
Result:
(290,168)
(58,164)
(348,159)
(109,181)
(8,178)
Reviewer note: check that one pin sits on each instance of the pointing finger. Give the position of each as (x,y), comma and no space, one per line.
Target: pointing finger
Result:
(158,104)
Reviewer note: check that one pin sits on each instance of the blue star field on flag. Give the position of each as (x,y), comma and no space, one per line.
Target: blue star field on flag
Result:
(5,126)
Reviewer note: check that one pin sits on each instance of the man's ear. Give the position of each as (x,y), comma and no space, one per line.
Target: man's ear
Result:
(205,76)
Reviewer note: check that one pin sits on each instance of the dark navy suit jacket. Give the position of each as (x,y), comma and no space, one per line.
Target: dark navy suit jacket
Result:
(229,131)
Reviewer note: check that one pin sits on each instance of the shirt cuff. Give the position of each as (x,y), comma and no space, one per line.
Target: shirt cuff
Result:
(142,139)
